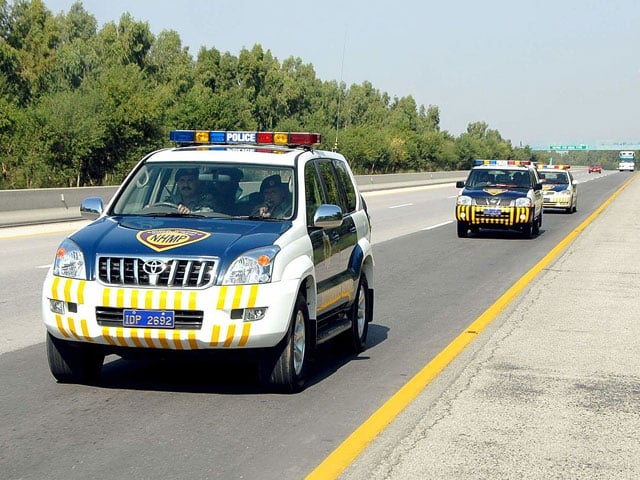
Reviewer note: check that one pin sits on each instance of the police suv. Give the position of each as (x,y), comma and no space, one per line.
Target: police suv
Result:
(500,194)
(559,188)
(251,242)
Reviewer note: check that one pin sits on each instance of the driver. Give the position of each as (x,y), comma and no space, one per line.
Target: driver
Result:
(188,195)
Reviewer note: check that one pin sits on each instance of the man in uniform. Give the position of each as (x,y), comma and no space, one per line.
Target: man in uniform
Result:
(277,199)
(188,196)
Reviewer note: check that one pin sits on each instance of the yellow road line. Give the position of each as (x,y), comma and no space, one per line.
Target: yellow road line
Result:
(338,460)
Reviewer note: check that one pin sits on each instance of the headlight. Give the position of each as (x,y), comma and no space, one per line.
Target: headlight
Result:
(523,202)
(464,200)
(69,261)
(565,192)
(254,266)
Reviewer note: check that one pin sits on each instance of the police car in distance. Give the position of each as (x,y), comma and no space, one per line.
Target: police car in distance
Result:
(245,242)
(500,194)
(559,188)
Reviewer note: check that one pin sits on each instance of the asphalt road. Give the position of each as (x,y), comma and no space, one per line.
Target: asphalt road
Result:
(210,420)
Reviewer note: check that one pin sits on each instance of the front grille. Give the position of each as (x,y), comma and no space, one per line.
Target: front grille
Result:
(156,272)
(493,201)
(184,319)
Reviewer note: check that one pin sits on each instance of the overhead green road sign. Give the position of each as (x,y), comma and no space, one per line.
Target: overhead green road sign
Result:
(603,146)
(568,147)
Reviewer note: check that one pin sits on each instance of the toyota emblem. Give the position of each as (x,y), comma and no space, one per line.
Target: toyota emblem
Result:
(154,267)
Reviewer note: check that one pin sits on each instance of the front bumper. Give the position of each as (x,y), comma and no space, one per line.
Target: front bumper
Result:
(83,299)
(487,215)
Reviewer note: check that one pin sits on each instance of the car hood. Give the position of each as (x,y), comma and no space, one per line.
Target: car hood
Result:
(176,237)
(555,188)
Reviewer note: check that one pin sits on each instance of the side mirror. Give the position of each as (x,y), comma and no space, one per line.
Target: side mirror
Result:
(328,216)
(460,184)
(91,208)
(538,186)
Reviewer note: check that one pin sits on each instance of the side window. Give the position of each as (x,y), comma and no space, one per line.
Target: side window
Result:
(313,189)
(330,183)
(347,185)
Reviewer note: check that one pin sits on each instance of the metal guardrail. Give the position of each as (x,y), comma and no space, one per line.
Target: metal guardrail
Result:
(48,205)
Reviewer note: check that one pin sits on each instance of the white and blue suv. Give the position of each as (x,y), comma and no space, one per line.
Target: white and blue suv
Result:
(252,242)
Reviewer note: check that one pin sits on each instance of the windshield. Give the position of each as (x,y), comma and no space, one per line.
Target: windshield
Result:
(483,177)
(555,178)
(208,190)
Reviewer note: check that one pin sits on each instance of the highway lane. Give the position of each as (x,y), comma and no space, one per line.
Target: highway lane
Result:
(202,420)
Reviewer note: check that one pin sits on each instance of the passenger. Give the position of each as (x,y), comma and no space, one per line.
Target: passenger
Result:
(227,190)
(277,199)
(521,180)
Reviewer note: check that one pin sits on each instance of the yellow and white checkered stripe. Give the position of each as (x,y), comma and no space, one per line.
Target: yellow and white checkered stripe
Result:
(223,335)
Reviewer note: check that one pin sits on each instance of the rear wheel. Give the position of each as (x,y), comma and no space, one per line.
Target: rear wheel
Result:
(72,362)
(463,229)
(284,368)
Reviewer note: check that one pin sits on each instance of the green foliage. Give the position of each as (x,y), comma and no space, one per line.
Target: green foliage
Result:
(79,106)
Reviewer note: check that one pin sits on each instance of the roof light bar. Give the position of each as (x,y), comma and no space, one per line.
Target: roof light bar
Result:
(554,167)
(223,137)
(502,163)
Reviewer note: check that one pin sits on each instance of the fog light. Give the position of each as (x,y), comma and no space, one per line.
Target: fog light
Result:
(57,306)
(523,217)
(253,314)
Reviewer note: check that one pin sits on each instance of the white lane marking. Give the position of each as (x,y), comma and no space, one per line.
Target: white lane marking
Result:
(436,226)
(43,266)
(402,205)
(393,191)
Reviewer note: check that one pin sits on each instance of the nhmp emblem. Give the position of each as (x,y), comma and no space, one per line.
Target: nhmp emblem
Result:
(162,239)
(495,191)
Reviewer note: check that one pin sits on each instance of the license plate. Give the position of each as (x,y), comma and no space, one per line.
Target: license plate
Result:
(148,318)
(492,211)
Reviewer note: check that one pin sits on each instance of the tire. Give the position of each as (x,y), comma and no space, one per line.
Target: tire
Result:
(284,368)
(72,362)
(463,229)
(360,315)
(527,230)
(537,224)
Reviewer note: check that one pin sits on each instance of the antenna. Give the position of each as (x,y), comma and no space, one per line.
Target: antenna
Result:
(344,47)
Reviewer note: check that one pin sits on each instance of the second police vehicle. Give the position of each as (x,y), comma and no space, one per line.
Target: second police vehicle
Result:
(247,242)
(560,190)
(500,194)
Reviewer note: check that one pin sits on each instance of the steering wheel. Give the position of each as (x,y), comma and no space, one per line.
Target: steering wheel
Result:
(165,204)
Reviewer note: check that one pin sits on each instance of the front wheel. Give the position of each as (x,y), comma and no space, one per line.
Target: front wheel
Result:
(72,362)
(463,229)
(284,368)
(537,224)
(360,315)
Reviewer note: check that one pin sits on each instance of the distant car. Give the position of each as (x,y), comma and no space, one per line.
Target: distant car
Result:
(595,169)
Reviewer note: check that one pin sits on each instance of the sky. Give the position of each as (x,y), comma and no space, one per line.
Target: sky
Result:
(537,71)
